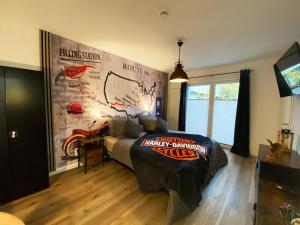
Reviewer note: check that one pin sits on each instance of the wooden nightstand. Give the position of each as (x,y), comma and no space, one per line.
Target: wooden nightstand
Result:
(93,151)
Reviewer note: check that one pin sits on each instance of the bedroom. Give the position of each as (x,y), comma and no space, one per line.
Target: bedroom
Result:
(100,59)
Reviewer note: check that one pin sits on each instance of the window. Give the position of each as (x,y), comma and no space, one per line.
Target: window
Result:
(211,110)
(197,109)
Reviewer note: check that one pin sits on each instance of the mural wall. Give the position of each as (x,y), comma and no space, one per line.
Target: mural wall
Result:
(89,85)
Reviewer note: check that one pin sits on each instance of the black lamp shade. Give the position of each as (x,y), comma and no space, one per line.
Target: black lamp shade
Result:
(179,76)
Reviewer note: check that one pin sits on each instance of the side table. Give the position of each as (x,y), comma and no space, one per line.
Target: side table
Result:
(93,151)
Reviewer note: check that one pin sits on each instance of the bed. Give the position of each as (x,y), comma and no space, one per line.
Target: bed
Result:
(119,149)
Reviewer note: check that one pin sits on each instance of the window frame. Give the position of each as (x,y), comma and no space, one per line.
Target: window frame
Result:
(212,84)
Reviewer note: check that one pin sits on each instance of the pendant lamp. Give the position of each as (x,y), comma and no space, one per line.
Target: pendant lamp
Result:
(179,76)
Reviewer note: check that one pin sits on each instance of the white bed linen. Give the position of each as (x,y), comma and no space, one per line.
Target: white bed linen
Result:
(109,142)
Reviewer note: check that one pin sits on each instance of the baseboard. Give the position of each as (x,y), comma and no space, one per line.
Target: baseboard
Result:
(65,168)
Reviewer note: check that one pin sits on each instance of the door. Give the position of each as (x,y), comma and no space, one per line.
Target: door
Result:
(5,169)
(26,130)
(211,110)
(224,111)
(197,110)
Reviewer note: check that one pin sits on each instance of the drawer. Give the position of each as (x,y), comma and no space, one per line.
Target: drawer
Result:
(94,156)
(94,149)
(94,161)
(96,153)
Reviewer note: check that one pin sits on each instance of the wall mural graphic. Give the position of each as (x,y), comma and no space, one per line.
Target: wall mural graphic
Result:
(90,85)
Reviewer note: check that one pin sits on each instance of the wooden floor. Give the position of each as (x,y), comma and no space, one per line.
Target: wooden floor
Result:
(110,195)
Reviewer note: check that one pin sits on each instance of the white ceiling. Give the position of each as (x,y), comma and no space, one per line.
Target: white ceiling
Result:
(214,32)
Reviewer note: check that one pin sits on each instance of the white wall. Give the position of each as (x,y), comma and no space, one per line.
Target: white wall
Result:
(296,123)
(19,45)
(290,115)
(265,102)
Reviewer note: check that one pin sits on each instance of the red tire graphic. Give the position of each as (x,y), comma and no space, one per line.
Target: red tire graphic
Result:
(70,145)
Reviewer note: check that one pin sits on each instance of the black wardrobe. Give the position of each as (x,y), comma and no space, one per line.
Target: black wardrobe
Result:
(23,149)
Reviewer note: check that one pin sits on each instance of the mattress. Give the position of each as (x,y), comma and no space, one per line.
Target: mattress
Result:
(109,142)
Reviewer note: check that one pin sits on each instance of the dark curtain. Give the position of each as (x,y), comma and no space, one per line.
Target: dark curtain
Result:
(182,107)
(242,121)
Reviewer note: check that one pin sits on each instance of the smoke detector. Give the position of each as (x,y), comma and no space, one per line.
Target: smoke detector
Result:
(163,12)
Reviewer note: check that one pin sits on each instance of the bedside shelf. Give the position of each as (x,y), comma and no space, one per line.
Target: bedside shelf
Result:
(93,149)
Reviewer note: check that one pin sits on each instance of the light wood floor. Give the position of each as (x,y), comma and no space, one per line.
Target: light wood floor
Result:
(110,195)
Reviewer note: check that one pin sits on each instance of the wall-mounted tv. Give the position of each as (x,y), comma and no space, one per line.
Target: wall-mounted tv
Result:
(287,70)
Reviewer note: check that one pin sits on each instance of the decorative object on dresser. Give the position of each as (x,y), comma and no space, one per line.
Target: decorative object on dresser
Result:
(23,146)
(275,150)
(286,138)
(277,188)
(93,149)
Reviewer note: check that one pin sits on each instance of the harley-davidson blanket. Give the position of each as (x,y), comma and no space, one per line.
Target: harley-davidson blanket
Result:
(172,161)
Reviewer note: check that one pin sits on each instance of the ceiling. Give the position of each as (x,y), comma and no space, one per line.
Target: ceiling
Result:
(215,32)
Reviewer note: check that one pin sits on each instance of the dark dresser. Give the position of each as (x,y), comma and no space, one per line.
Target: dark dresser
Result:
(284,173)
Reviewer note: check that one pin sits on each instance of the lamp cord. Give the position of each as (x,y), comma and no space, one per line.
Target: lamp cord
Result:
(179,54)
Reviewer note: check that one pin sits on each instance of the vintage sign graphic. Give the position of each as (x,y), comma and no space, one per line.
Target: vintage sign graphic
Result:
(89,85)
(176,148)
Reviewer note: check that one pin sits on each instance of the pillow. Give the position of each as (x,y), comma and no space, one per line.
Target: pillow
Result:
(149,123)
(161,125)
(135,120)
(141,117)
(117,126)
(132,129)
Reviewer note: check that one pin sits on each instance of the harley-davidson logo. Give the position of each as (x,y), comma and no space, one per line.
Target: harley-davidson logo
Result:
(176,148)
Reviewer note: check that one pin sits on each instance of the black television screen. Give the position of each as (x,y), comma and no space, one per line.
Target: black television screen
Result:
(287,70)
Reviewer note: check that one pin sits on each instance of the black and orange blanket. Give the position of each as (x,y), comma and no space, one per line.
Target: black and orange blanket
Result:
(172,161)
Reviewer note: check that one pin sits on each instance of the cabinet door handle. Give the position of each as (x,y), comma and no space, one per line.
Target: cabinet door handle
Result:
(13,134)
